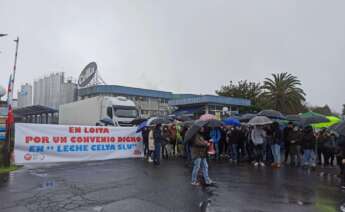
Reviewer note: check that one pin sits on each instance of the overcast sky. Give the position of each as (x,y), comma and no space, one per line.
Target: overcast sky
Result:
(188,46)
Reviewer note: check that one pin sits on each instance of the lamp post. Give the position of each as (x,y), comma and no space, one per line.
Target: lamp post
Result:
(2,35)
(7,151)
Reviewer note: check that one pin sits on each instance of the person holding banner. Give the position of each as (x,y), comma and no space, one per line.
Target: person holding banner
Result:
(157,135)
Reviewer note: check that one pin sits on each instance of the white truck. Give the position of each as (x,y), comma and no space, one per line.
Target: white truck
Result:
(120,110)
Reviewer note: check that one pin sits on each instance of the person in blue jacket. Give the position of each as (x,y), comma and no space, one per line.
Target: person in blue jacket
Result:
(215,136)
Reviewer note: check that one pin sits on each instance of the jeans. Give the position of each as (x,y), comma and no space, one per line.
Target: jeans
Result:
(233,151)
(156,155)
(259,152)
(200,163)
(309,157)
(276,152)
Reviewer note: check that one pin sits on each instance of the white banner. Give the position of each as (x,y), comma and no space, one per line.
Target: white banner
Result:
(40,143)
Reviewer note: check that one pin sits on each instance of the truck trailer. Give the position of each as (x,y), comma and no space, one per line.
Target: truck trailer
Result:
(92,111)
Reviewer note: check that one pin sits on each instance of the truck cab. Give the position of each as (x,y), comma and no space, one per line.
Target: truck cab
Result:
(121,110)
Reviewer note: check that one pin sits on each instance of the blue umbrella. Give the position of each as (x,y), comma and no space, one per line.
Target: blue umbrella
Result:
(107,121)
(232,122)
(142,126)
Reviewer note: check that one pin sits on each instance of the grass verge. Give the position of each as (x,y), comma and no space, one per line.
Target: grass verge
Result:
(4,170)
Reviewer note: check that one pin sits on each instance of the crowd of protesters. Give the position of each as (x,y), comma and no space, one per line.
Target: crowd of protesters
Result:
(269,145)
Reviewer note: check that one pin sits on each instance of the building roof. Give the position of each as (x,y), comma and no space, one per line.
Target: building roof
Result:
(175,99)
(33,110)
(123,90)
(210,99)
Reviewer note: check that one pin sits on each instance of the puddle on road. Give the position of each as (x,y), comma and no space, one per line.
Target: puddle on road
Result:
(38,173)
(49,184)
(205,205)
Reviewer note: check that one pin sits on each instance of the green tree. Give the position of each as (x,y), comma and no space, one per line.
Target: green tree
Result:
(243,89)
(282,92)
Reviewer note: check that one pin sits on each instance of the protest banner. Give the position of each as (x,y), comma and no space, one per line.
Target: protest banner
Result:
(41,143)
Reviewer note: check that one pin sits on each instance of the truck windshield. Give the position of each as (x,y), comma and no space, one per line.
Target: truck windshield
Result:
(124,112)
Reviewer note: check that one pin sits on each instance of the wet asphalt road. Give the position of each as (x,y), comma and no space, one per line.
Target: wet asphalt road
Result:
(135,185)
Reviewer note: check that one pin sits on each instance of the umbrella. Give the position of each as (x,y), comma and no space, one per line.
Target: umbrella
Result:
(273,114)
(246,117)
(340,128)
(183,118)
(294,118)
(159,120)
(214,123)
(332,120)
(138,121)
(207,117)
(313,120)
(107,121)
(187,123)
(142,126)
(260,120)
(194,129)
(310,114)
(232,122)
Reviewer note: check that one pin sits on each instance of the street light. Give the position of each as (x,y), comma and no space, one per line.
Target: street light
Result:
(2,35)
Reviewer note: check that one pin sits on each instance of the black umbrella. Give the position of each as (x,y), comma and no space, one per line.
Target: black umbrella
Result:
(187,123)
(273,114)
(183,118)
(246,117)
(214,123)
(295,119)
(138,121)
(160,120)
(194,129)
(340,128)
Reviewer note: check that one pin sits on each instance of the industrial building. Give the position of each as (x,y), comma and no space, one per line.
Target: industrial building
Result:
(25,95)
(149,102)
(54,90)
(154,102)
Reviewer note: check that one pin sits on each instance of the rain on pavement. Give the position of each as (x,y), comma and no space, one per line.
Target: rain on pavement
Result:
(135,185)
